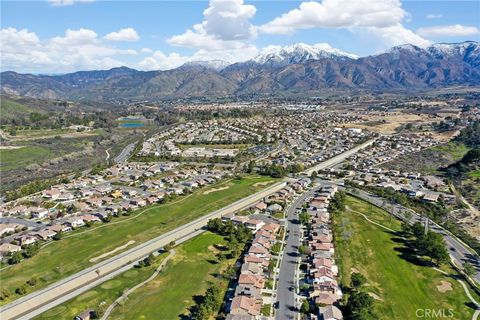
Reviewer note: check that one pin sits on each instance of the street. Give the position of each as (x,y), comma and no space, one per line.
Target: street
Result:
(459,252)
(287,283)
(51,296)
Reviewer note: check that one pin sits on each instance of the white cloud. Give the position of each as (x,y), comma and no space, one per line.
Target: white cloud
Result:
(434,16)
(127,34)
(337,14)
(226,26)
(23,51)
(456,30)
(379,18)
(397,35)
(160,61)
(146,50)
(67,2)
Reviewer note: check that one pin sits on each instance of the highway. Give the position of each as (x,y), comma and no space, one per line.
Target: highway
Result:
(459,252)
(51,296)
(339,158)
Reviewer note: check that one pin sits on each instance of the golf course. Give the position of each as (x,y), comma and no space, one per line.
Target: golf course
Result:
(168,296)
(399,287)
(74,252)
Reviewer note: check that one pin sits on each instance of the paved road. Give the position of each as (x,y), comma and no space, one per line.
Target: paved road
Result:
(290,262)
(51,295)
(459,252)
(339,158)
(125,154)
(93,284)
(25,222)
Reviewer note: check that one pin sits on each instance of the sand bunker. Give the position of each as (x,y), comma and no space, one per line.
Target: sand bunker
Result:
(258,184)
(106,254)
(216,189)
(444,286)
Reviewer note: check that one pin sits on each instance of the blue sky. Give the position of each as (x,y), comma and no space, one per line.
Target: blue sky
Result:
(68,35)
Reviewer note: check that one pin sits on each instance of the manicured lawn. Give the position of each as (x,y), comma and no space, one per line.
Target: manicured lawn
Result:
(102,296)
(62,258)
(16,158)
(400,287)
(187,275)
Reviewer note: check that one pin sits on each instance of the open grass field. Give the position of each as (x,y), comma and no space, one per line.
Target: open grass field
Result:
(102,296)
(398,286)
(166,296)
(10,109)
(23,156)
(187,275)
(62,258)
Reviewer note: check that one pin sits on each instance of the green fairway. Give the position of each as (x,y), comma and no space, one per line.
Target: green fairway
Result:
(102,296)
(165,297)
(187,275)
(62,258)
(22,157)
(398,286)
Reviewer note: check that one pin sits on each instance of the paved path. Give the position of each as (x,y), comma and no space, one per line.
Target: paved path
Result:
(125,295)
(465,288)
(459,251)
(51,295)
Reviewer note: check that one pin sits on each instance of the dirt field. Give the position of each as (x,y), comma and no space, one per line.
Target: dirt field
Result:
(386,123)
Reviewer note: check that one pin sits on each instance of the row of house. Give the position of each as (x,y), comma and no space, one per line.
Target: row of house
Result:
(248,299)
(322,271)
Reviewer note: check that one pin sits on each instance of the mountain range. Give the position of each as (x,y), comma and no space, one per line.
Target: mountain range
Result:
(294,69)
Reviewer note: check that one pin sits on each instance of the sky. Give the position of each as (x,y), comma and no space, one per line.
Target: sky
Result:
(58,36)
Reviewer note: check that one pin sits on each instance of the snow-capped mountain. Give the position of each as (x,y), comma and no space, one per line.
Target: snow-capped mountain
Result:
(466,48)
(296,69)
(299,53)
(217,65)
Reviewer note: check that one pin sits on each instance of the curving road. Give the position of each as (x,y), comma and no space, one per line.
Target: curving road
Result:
(51,295)
(459,251)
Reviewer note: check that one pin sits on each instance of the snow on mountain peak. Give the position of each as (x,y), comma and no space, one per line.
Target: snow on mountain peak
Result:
(213,64)
(298,53)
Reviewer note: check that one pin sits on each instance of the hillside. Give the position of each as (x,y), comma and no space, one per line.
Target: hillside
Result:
(298,69)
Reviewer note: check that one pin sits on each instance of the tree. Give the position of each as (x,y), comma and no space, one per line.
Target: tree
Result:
(304,249)
(15,258)
(31,250)
(360,306)
(418,229)
(304,218)
(21,290)
(305,307)
(58,235)
(357,280)
(432,245)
